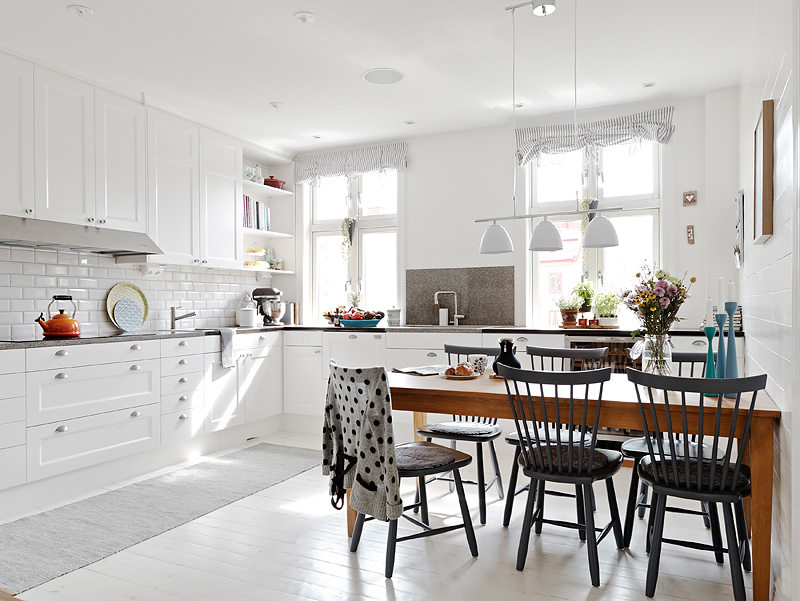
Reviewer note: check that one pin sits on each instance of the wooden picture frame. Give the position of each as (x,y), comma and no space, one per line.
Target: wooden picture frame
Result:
(764,162)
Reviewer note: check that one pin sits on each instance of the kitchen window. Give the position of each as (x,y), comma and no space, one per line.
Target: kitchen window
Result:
(626,175)
(370,270)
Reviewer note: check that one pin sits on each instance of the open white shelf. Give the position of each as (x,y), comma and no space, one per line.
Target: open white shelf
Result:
(256,189)
(249,231)
(266,270)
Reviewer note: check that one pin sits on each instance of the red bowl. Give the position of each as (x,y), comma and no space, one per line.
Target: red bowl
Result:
(274,183)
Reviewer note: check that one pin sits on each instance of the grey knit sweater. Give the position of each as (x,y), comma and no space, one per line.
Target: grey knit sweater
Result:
(358,442)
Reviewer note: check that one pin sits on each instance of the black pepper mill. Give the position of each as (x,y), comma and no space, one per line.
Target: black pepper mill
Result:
(506,356)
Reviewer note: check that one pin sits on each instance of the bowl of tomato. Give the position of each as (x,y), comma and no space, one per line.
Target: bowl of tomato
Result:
(359,323)
(358,318)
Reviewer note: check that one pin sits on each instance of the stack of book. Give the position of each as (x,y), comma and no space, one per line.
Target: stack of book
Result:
(256,214)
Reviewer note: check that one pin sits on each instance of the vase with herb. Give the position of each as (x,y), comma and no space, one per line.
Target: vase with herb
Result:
(655,300)
(585,292)
(606,305)
(569,309)
(348,229)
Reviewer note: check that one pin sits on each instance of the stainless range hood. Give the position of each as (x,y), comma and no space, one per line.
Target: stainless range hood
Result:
(37,233)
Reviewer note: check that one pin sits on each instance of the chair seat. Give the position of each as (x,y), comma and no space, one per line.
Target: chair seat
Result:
(636,448)
(742,484)
(605,462)
(466,431)
(422,458)
(513,437)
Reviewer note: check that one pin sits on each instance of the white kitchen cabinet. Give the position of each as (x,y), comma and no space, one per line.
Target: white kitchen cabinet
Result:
(120,133)
(16,137)
(182,425)
(222,406)
(13,466)
(412,357)
(173,182)
(353,349)
(64,148)
(60,357)
(220,200)
(304,379)
(699,344)
(260,374)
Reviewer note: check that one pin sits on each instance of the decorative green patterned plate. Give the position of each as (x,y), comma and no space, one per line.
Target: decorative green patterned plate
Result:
(126,290)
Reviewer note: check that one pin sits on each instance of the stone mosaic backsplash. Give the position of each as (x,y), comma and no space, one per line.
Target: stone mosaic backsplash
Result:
(29,279)
(485,295)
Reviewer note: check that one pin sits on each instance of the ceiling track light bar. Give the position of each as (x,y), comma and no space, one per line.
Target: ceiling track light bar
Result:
(516,6)
(552,214)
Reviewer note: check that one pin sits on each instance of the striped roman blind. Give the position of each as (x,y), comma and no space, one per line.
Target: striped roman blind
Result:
(655,125)
(352,161)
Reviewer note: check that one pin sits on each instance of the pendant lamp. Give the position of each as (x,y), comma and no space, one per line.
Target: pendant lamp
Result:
(542,8)
(545,237)
(600,233)
(496,241)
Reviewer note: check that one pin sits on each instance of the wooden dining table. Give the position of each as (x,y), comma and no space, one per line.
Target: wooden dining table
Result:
(487,397)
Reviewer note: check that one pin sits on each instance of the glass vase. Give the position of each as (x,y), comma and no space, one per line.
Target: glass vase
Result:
(657,355)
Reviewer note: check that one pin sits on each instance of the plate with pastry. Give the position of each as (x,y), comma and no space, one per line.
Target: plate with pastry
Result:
(462,371)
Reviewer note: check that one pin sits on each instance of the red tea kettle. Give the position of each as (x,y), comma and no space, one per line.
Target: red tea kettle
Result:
(60,325)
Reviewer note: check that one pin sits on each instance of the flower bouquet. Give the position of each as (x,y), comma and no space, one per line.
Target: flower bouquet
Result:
(655,301)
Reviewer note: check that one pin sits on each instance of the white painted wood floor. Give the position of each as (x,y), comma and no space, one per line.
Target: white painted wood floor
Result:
(288,543)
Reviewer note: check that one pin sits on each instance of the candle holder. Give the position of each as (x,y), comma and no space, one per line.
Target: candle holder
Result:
(721,318)
(731,363)
(710,331)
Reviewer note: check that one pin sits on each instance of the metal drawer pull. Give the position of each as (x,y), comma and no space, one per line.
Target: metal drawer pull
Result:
(135,367)
(352,336)
(136,414)
(183,416)
(183,398)
(262,337)
(316,352)
(62,428)
(522,339)
(136,347)
(432,354)
(61,376)
(62,353)
(183,343)
(183,362)
(182,381)
(699,343)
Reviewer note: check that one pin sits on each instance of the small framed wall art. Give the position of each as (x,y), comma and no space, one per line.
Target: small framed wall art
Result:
(763,166)
(690,198)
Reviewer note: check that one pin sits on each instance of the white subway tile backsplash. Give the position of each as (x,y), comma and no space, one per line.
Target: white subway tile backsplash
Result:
(33,269)
(22,255)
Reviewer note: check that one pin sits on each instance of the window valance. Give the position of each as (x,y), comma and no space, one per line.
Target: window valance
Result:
(655,125)
(352,161)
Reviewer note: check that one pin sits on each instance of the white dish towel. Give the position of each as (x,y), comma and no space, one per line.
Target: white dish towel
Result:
(226,346)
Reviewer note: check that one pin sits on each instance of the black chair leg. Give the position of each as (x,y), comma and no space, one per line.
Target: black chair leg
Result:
(357,532)
(391,545)
(538,491)
(581,511)
(716,533)
(658,506)
(737,578)
(591,537)
(462,501)
(612,504)
(630,509)
(451,485)
(512,487)
(525,535)
(497,474)
(481,483)
(641,501)
(706,517)
(651,523)
(416,499)
(423,499)
(741,526)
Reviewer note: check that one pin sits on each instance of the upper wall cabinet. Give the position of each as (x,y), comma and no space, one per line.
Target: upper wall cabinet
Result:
(16,137)
(65,148)
(121,196)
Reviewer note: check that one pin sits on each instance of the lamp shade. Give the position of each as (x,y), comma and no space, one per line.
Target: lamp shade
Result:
(545,237)
(496,241)
(600,233)
(542,8)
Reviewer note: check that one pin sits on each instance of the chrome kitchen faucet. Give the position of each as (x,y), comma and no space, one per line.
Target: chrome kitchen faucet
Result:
(456,316)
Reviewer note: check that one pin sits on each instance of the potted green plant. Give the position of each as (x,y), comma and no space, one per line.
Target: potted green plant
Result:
(569,309)
(586,292)
(606,305)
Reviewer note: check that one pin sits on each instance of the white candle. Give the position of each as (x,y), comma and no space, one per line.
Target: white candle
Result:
(709,312)
(731,292)
(720,295)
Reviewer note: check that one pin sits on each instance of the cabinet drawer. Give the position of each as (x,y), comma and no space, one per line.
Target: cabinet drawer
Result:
(12,467)
(256,340)
(12,435)
(431,339)
(181,383)
(12,361)
(12,410)
(66,394)
(185,364)
(73,444)
(415,357)
(302,338)
(12,385)
(182,401)
(175,347)
(211,344)
(59,357)
(182,425)
(692,344)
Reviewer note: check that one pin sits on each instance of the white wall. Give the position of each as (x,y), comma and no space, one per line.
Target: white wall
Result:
(766,277)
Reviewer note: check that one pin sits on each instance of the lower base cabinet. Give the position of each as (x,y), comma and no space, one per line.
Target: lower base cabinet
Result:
(304,380)
(182,425)
(222,406)
(260,374)
(12,466)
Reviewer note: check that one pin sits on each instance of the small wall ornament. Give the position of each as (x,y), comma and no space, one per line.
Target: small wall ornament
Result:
(690,198)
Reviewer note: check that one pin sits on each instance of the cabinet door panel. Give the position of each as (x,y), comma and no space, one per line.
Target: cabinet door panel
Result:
(13,467)
(173,186)
(303,380)
(64,146)
(353,349)
(222,405)
(261,383)
(16,137)
(220,200)
(120,147)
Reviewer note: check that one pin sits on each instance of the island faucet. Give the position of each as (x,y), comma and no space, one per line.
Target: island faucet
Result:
(175,318)
(456,316)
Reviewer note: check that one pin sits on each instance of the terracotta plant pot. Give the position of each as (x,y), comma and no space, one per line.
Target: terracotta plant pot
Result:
(569,316)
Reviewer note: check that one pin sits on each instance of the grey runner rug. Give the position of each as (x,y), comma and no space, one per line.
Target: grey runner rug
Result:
(41,547)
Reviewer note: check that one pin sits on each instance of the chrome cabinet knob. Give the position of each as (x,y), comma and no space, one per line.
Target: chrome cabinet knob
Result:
(29,211)
(183,416)
(204,261)
(432,354)
(102,221)
(197,260)
(90,219)
(183,343)
(182,381)
(136,347)
(62,429)
(699,343)
(62,353)
(61,376)
(183,362)
(136,414)
(135,367)
(183,398)
(352,337)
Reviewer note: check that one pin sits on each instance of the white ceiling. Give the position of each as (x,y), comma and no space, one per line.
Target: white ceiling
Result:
(225,61)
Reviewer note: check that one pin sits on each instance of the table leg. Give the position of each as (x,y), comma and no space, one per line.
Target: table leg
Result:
(351,515)
(420,419)
(746,502)
(761,468)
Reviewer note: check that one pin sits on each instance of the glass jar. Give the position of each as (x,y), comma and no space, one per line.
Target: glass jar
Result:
(657,355)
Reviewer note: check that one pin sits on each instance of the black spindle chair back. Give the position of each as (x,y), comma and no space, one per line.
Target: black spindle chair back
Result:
(569,448)
(719,471)
(691,364)
(461,353)
(566,359)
